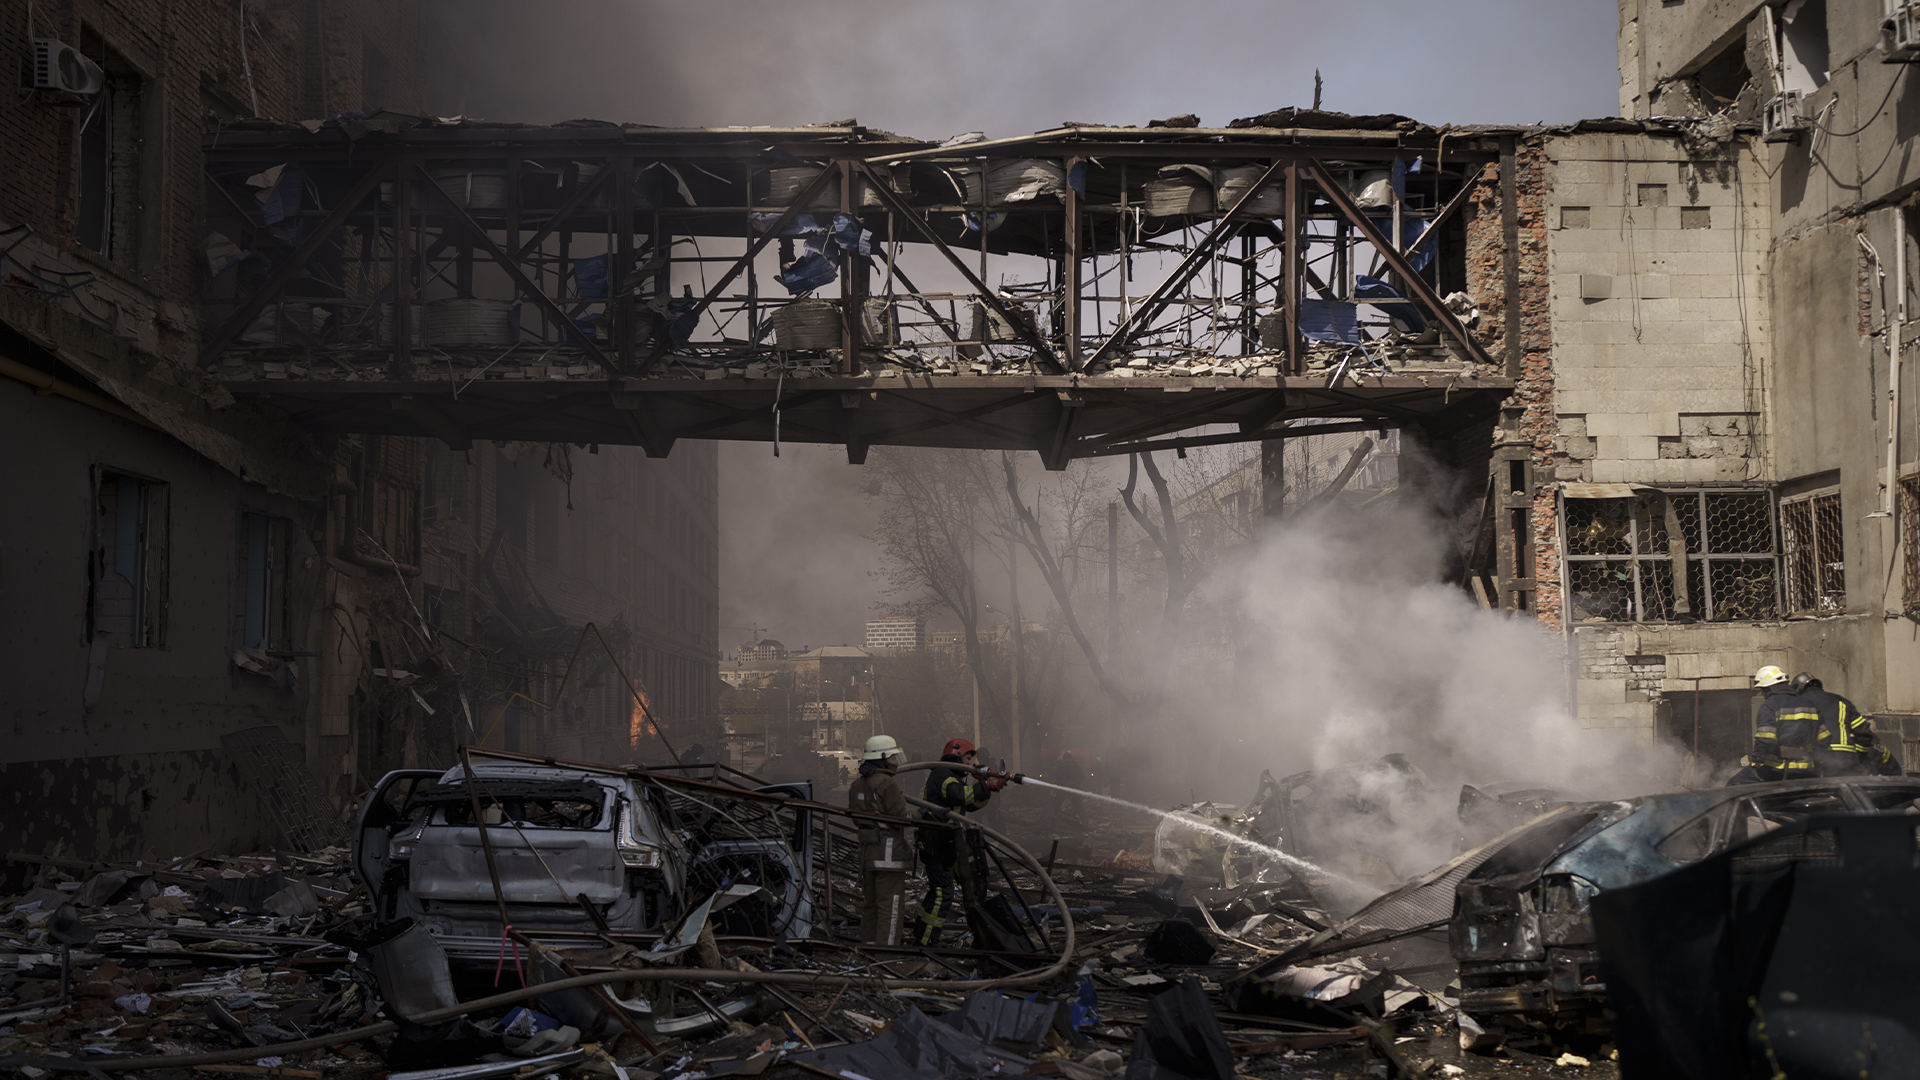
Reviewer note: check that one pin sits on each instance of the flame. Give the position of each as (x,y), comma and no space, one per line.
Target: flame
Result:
(638,727)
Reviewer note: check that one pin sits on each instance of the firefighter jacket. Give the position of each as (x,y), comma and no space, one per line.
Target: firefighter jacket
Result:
(1843,742)
(958,792)
(882,847)
(1783,736)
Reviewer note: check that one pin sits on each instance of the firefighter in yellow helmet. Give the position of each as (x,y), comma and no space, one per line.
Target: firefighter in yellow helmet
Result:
(884,858)
(1804,731)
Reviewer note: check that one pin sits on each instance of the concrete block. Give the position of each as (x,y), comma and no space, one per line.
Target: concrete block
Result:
(1653,286)
(1677,470)
(1703,286)
(1619,424)
(1630,447)
(1608,472)
(1715,665)
(1602,691)
(1596,286)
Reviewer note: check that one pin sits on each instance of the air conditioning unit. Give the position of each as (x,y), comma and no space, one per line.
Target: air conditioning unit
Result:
(58,66)
(1900,35)
(1783,116)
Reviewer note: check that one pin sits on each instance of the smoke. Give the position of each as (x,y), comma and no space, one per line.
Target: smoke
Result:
(794,555)
(1008,67)
(1361,649)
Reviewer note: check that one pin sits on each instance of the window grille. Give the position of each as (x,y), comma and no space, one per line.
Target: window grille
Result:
(1813,544)
(1620,559)
(1910,534)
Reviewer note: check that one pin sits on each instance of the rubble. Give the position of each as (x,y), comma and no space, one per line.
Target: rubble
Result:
(274,964)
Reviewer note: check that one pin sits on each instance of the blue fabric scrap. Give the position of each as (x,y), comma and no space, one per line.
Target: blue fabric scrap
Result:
(811,270)
(1330,320)
(1368,288)
(1077,177)
(801,225)
(284,200)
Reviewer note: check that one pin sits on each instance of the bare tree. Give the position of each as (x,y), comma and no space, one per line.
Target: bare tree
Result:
(939,516)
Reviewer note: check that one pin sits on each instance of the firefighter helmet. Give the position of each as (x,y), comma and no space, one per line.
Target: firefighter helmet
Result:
(880,747)
(958,748)
(1770,675)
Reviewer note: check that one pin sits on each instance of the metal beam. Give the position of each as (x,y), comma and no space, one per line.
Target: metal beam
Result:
(1155,303)
(1227,438)
(1449,323)
(1070,270)
(1268,411)
(1028,334)
(958,420)
(1446,212)
(1057,453)
(1293,251)
(582,192)
(814,187)
(283,275)
(431,418)
(567,326)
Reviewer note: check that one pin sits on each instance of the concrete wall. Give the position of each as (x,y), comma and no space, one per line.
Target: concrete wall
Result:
(141,771)
(1659,318)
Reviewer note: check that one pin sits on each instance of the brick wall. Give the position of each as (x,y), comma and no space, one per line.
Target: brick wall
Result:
(188,53)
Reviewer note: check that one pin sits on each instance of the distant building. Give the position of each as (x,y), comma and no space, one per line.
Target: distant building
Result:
(948,640)
(763,650)
(897,633)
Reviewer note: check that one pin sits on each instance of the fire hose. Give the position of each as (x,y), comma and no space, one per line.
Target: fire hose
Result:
(602,978)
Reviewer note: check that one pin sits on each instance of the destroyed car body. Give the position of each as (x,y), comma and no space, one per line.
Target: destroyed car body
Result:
(562,840)
(1522,928)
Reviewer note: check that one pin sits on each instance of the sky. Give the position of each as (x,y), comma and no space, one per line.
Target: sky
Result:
(794,558)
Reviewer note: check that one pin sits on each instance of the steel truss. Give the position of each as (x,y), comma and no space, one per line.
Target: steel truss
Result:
(1069,366)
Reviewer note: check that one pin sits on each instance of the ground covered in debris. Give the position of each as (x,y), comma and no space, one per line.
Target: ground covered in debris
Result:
(161,968)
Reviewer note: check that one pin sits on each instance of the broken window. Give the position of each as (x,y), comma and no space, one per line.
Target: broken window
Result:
(1800,45)
(264,549)
(1621,557)
(108,135)
(1813,539)
(127,595)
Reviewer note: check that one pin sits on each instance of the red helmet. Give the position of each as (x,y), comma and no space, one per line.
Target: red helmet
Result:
(956,748)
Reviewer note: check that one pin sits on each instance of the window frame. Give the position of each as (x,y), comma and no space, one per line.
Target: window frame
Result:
(1789,577)
(151,602)
(1705,604)
(274,555)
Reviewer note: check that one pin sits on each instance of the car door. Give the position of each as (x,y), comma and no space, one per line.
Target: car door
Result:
(383,815)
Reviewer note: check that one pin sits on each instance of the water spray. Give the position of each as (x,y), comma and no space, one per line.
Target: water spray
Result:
(1292,862)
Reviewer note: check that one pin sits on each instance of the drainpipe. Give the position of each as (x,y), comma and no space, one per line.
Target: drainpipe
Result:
(1898,317)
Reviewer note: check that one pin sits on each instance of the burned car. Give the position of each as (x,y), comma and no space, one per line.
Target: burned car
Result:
(1522,930)
(574,849)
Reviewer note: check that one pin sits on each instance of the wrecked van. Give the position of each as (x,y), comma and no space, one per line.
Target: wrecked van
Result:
(574,850)
(1522,929)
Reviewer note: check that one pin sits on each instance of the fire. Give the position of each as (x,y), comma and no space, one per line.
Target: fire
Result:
(638,726)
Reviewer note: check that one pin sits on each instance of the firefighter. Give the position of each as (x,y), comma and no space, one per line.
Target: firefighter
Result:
(945,852)
(1783,732)
(883,847)
(1843,741)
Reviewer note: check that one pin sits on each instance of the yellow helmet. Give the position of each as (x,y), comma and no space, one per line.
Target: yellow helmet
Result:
(1767,676)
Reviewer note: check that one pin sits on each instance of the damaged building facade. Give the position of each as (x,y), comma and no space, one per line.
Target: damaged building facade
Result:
(345,429)
(220,630)
(1706,465)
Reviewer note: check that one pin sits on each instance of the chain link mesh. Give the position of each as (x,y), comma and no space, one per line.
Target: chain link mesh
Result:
(1620,568)
(1813,538)
(1910,530)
